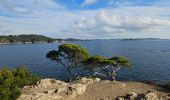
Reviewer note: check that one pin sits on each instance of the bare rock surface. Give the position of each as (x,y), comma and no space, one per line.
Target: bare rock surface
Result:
(92,89)
(51,89)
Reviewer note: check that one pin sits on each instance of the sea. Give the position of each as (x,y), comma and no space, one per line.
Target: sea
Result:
(150,59)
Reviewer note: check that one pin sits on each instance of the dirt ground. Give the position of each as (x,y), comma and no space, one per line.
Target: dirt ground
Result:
(108,90)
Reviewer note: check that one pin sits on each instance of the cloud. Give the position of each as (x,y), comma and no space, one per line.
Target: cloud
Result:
(118,3)
(48,17)
(28,6)
(88,2)
(109,25)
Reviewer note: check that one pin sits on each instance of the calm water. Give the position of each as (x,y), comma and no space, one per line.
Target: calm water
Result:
(150,59)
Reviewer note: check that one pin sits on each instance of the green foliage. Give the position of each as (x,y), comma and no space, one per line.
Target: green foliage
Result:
(12,80)
(106,65)
(73,56)
(53,55)
(98,61)
(25,38)
(120,60)
(168,85)
(74,51)
(69,55)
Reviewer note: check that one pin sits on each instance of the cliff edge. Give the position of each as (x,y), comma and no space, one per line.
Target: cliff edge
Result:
(92,89)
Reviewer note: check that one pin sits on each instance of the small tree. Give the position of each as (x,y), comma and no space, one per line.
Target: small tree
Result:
(107,65)
(68,55)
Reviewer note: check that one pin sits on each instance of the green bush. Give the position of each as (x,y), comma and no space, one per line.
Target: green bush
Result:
(11,81)
(168,85)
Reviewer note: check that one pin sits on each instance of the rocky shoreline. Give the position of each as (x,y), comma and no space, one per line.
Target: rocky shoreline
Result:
(92,89)
(19,43)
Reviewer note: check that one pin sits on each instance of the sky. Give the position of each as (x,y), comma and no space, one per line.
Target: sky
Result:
(86,19)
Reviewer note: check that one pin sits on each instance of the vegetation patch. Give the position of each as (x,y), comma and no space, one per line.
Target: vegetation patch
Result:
(11,82)
(12,39)
(168,85)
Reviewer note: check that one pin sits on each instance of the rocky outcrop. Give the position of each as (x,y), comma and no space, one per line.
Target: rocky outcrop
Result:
(150,95)
(92,89)
(51,89)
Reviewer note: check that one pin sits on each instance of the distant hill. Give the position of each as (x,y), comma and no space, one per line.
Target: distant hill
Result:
(142,39)
(31,38)
(23,39)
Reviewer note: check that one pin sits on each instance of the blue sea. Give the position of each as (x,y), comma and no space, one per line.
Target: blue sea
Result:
(150,58)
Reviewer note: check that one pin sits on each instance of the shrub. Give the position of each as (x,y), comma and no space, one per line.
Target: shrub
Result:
(168,85)
(11,81)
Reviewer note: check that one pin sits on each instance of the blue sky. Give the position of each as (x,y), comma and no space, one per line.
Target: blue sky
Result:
(86,19)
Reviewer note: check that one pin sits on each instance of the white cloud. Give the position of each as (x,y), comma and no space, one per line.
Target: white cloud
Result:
(50,18)
(28,6)
(88,2)
(108,25)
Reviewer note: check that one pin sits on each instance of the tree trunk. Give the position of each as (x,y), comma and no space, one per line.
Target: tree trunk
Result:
(69,74)
(113,76)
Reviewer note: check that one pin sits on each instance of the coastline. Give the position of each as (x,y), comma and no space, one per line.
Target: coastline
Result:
(26,43)
(92,89)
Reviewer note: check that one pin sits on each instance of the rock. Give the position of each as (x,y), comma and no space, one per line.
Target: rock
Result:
(45,83)
(151,96)
(169,95)
(24,97)
(69,90)
(107,98)
(79,88)
(97,80)
(123,85)
(86,80)
(61,90)
(57,97)
(38,96)
(134,96)
(58,82)
(131,96)
(27,87)
(99,99)
(120,98)
(49,91)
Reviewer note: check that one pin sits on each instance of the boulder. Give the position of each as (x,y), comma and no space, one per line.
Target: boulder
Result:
(97,80)
(151,96)
(120,98)
(131,96)
(145,96)
(86,80)
(61,90)
(79,88)
(45,83)
(51,89)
